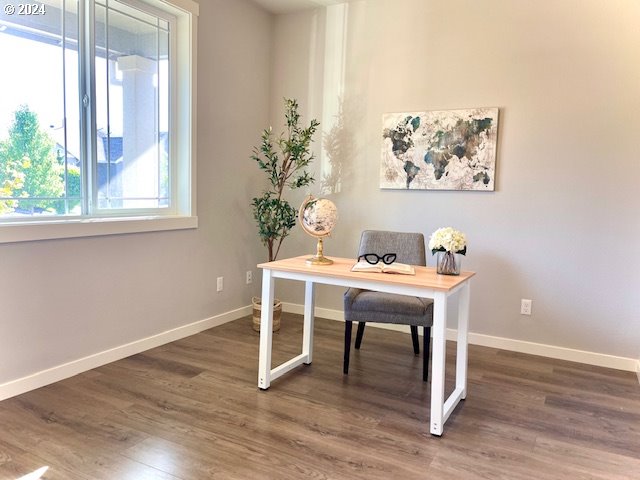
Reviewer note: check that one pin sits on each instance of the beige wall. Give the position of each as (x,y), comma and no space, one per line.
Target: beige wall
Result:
(62,300)
(562,227)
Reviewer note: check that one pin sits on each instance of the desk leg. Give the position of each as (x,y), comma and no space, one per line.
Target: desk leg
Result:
(438,362)
(462,341)
(266,330)
(307,336)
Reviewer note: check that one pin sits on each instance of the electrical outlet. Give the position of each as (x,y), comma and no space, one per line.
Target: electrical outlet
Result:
(525,306)
(249,277)
(220,284)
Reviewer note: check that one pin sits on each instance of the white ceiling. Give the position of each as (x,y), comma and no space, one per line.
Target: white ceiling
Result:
(289,6)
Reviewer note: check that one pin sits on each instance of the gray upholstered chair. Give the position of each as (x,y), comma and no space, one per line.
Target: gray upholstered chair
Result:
(364,306)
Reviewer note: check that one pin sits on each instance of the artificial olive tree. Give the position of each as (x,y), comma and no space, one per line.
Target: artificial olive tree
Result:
(284,160)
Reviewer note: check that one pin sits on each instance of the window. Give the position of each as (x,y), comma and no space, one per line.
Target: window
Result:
(96,115)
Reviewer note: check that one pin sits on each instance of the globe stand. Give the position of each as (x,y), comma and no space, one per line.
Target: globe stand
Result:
(319,258)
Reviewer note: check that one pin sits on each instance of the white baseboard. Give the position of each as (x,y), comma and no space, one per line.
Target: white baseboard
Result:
(60,372)
(551,351)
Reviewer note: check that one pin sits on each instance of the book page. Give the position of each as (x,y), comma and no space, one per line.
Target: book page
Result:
(364,266)
(380,267)
(402,268)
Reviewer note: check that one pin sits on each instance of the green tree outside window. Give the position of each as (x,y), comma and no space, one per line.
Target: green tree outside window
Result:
(29,168)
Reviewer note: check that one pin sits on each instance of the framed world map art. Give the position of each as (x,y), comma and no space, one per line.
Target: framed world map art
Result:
(440,150)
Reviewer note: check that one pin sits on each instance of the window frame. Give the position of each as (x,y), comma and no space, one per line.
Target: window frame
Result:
(182,125)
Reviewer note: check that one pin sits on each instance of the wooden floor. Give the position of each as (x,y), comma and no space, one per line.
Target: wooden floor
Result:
(192,410)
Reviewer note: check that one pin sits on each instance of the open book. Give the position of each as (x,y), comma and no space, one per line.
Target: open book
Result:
(380,267)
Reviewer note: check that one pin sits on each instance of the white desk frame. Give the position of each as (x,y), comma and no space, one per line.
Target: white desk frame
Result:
(425,284)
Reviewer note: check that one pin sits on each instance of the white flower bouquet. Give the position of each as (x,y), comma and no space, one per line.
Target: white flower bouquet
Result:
(449,241)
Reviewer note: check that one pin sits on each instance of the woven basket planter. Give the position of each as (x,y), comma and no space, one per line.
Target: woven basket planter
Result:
(257,312)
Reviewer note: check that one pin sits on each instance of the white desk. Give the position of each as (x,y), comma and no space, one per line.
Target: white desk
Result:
(426,283)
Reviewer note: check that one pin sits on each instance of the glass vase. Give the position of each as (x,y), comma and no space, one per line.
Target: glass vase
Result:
(448,263)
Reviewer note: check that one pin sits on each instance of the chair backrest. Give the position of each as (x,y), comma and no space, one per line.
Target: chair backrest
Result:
(409,247)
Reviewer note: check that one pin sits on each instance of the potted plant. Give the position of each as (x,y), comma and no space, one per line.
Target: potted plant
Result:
(284,161)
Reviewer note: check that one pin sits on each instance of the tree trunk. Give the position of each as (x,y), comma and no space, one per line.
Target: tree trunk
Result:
(270,247)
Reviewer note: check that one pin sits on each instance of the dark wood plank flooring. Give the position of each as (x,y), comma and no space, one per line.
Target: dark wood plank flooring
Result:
(191,410)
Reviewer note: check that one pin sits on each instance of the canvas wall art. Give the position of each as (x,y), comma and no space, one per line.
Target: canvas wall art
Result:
(440,150)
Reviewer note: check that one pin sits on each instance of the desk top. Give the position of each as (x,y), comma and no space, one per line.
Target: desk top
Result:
(341,268)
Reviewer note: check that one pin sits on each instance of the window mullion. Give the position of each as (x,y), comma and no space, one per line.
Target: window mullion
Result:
(86,72)
(107,12)
(63,21)
(157,110)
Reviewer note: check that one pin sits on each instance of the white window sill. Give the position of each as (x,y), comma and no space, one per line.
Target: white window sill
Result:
(91,227)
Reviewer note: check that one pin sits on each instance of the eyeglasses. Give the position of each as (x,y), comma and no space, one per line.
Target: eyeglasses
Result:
(373,258)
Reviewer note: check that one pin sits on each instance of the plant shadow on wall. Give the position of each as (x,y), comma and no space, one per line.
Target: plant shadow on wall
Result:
(339,149)
(284,160)
(346,168)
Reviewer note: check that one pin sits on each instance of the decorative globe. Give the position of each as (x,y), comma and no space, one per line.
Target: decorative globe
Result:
(318,217)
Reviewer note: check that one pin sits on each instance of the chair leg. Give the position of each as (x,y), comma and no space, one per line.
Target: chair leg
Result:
(426,331)
(414,339)
(347,346)
(359,334)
